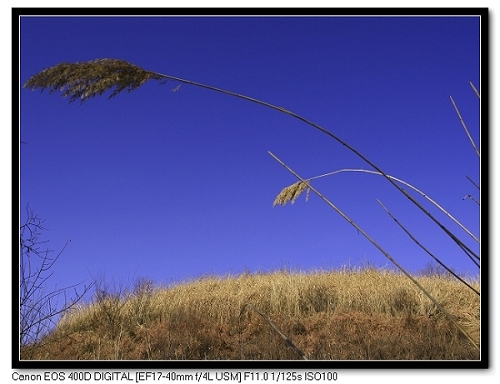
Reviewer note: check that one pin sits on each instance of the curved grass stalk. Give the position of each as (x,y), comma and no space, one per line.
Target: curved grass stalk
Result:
(88,79)
(426,250)
(385,253)
(408,185)
(292,192)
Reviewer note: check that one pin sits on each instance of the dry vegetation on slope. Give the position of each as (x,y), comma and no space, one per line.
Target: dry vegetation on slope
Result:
(339,315)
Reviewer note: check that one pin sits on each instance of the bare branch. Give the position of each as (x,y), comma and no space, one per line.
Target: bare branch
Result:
(39,307)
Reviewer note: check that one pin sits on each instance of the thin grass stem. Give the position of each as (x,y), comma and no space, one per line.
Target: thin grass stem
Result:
(407,184)
(385,253)
(426,250)
(465,126)
(475,90)
(466,249)
(477,186)
(86,80)
(282,335)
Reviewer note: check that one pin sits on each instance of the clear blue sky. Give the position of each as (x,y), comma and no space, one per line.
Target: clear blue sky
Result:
(172,186)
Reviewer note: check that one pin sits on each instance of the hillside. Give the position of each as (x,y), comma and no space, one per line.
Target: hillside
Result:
(338,315)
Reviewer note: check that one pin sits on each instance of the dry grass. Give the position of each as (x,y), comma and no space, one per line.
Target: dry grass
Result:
(84,80)
(340,315)
(291,193)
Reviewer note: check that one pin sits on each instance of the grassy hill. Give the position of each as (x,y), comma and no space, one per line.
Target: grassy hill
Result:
(339,315)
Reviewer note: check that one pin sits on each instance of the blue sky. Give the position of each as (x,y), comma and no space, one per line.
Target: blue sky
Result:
(172,186)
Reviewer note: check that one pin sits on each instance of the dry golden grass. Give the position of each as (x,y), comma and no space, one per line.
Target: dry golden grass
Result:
(291,193)
(340,315)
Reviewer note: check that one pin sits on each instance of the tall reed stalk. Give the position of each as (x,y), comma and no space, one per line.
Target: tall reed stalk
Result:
(378,246)
(85,80)
(292,192)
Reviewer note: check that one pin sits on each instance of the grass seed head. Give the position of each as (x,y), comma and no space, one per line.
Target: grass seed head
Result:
(291,193)
(84,80)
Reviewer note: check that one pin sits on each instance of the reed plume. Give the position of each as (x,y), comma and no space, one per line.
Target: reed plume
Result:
(84,80)
(290,193)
